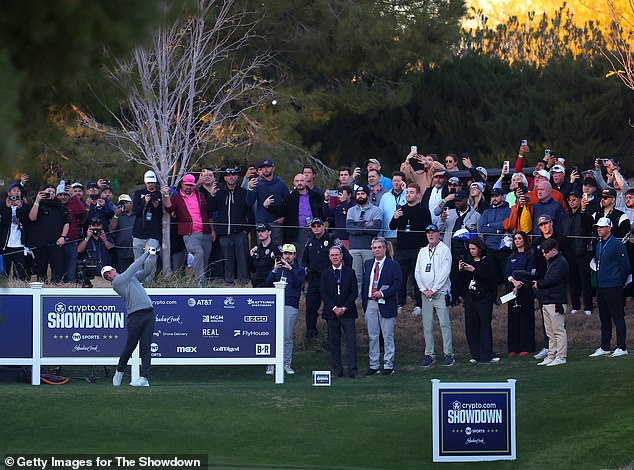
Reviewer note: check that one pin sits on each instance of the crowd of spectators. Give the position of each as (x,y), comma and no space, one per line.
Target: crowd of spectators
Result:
(232,224)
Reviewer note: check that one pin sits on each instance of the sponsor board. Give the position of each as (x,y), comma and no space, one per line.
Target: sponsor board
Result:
(473,422)
(16,326)
(83,326)
(187,326)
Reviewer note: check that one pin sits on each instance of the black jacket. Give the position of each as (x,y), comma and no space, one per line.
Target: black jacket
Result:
(6,216)
(577,227)
(232,211)
(289,209)
(417,217)
(553,288)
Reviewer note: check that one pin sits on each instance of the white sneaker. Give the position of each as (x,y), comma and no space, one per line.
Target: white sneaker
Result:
(572,312)
(116,378)
(588,312)
(556,362)
(417,312)
(619,352)
(289,370)
(270,370)
(545,362)
(140,382)
(599,352)
(541,354)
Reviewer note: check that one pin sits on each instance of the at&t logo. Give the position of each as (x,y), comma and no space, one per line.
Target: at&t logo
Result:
(191,302)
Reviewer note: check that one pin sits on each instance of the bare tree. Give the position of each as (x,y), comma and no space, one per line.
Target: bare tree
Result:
(620,39)
(186,92)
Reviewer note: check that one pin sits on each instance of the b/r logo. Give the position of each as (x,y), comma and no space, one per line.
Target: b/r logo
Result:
(262,349)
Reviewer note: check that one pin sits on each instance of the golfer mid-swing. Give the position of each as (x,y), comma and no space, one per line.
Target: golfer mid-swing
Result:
(141,316)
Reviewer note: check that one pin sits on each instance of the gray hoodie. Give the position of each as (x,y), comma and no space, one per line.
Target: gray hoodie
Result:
(128,283)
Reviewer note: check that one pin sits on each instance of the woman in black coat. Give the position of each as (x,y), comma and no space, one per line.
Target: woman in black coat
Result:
(480,274)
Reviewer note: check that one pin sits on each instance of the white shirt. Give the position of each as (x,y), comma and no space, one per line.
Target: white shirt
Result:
(433,266)
(15,235)
(374,261)
(434,200)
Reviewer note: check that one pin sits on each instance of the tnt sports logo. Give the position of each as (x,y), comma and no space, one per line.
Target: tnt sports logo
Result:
(154,347)
(76,337)
(60,307)
(229,302)
(191,302)
(467,430)
(456,405)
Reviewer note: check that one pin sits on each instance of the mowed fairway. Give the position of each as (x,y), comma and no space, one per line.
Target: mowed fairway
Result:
(576,416)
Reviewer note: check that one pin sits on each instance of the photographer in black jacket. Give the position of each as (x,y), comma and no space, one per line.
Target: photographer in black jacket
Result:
(552,292)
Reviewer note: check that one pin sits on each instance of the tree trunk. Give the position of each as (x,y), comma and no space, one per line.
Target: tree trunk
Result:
(165,247)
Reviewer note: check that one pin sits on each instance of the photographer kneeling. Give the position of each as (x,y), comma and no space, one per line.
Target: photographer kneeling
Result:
(552,292)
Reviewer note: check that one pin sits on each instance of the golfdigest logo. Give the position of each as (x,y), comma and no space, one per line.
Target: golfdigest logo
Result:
(474,413)
(85,316)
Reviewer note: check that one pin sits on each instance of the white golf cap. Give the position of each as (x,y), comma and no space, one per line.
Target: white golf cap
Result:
(125,197)
(149,177)
(106,269)
(603,222)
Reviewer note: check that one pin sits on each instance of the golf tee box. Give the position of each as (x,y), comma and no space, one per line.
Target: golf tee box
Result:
(321,378)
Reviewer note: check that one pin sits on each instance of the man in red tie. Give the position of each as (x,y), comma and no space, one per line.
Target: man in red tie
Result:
(382,279)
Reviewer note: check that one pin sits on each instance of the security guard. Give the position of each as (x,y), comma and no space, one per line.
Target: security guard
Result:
(315,260)
(263,255)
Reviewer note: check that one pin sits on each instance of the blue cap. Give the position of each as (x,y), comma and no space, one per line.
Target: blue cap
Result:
(317,220)
(432,228)
(262,227)
(266,162)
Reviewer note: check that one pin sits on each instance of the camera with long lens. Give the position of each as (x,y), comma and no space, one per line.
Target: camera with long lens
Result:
(87,269)
(524,276)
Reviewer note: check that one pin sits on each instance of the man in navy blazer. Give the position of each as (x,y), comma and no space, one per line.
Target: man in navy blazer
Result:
(382,279)
(338,289)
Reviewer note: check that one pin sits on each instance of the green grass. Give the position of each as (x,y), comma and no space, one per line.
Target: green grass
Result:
(577,416)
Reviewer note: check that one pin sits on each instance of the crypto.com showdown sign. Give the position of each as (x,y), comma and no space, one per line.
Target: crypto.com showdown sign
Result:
(88,327)
(473,421)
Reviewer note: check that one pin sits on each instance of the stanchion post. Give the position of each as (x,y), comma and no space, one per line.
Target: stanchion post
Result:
(279,331)
(36,369)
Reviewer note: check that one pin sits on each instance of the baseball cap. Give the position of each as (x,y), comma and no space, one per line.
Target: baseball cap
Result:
(461,195)
(544,218)
(589,173)
(372,160)
(590,181)
(479,185)
(603,222)
(77,184)
(432,228)
(149,177)
(124,197)
(453,180)
(558,169)
(266,162)
(92,184)
(576,193)
(61,189)
(439,171)
(497,192)
(289,248)
(543,173)
(262,227)
(106,269)
(482,170)
(189,179)
(317,220)
(361,188)
(608,192)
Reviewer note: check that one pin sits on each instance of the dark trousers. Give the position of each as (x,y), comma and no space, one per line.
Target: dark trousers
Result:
(457,277)
(407,260)
(521,321)
(140,330)
(235,249)
(14,257)
(500,257)
(52,254)
(580,282)
(313,302)
(334,338)
(478,315)
(612,310)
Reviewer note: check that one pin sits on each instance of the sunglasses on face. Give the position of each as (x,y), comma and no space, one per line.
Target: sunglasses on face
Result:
(606,197)
(543,223)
